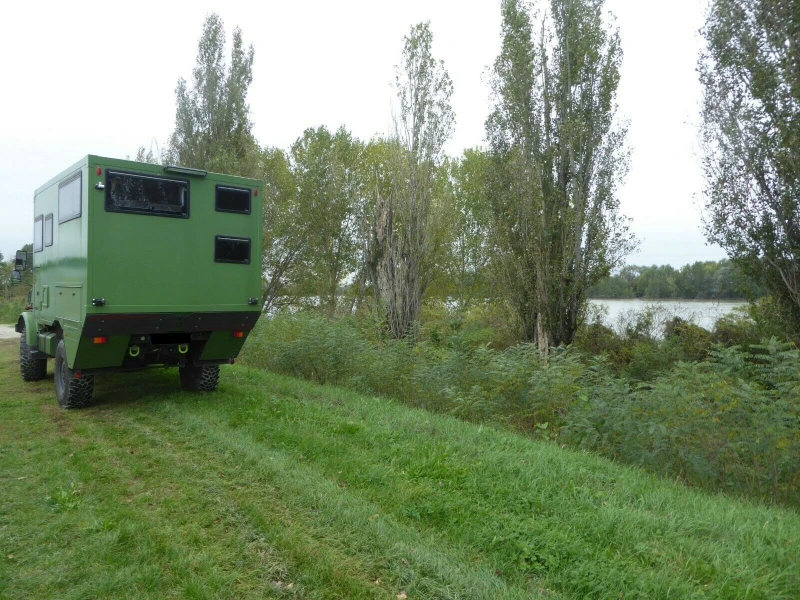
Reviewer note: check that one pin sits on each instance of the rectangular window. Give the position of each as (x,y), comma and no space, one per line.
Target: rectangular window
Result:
(48,230)
(69,198)
(235,200)
(38,233)
(232,250)
(146,195)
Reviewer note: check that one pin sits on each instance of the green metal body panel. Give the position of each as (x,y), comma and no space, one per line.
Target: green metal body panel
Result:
(29,321)
(139,263)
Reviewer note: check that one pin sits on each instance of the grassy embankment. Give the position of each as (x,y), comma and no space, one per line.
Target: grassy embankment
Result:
(273,487)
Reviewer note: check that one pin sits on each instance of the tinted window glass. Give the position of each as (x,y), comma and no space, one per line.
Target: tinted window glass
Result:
(69,199)
(48,230)
(142,194)
(233,200)
(232,250)
(38,229)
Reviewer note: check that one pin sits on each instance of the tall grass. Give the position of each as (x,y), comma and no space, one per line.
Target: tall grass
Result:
(729,423)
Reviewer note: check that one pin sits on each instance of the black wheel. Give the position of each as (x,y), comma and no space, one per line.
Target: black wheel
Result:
(199,379)
(31,369)
(71,391)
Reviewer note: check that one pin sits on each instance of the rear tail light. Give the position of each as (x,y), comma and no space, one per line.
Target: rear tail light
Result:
(238,334)
(100,339)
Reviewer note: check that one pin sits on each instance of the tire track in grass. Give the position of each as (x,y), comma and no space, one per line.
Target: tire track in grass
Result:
(320,525)
(603,526)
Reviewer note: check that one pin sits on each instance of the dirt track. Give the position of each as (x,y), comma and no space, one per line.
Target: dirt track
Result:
(7,333)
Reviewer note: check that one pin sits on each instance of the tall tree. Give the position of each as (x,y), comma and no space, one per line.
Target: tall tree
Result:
(750,73)
(557,156)
(212,118)
(406,218)
(329,194)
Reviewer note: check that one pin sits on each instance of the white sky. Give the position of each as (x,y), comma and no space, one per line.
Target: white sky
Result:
(96,78)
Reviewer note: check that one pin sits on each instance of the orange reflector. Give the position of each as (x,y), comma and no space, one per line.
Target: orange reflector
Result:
(238,334)
(78,375)
(100,340)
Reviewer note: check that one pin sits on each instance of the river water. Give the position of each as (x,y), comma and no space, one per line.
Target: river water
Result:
(701,312)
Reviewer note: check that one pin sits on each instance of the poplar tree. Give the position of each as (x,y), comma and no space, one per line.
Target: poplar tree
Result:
(407,219)
(557,155)
(750,73)
(213,130)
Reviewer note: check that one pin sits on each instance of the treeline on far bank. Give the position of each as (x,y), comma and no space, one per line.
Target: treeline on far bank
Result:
(702,280)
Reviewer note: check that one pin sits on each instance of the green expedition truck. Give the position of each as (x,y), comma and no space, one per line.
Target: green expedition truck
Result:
(137,265)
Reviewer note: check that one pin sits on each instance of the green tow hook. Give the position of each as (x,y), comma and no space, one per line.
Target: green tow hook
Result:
(183,348)
(133,351)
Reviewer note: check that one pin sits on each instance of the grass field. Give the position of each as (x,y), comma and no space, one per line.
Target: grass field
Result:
(275,488)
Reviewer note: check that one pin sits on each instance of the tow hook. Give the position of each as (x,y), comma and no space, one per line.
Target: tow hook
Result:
(133,351)
(183,348)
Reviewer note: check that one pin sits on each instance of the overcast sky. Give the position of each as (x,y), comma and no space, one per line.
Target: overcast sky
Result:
(98,78)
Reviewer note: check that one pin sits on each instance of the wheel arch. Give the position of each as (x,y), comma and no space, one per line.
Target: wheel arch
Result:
(28,323)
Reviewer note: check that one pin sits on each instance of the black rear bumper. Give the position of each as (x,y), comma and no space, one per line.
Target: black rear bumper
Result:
(146,324)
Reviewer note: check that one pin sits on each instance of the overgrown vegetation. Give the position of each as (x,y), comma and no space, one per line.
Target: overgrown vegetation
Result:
(276,488)
(719,410)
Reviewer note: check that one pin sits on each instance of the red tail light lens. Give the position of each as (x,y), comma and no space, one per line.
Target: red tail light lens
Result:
(100,339)
(238,334)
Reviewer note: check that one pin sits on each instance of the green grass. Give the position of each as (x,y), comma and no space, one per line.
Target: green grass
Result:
(277,488)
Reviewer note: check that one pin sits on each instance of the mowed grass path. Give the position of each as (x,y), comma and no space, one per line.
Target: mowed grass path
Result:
(277,488)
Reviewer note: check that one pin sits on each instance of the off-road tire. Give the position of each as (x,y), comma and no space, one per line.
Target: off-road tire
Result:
(31,369)
(199,379)
(71,392)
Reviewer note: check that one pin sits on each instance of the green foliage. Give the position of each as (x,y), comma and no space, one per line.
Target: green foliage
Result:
(283,231)
(11,309)
(329,197)
(212,118)
(468,266)
(751,108)
(557,155)
(409,222)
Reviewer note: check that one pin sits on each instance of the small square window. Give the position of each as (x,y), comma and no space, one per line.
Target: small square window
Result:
(232,250)
(234,200)
(48,230)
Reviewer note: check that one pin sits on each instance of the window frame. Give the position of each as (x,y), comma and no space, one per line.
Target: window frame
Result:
(222,186)
(38,222)
(249,241)
(129,211)
(48,219)
(75,176)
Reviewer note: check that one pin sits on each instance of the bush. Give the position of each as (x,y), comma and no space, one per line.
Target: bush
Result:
(308,346)
(11,309)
